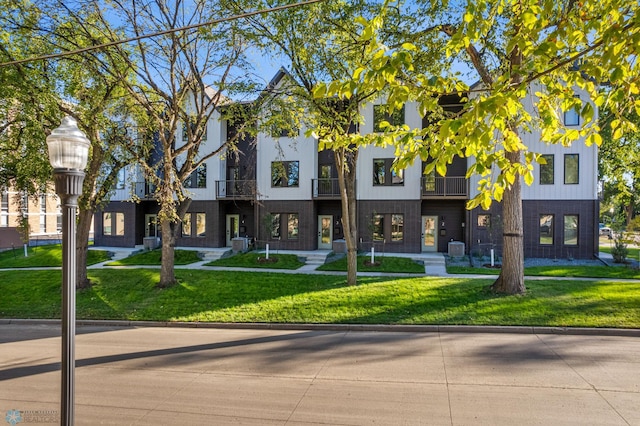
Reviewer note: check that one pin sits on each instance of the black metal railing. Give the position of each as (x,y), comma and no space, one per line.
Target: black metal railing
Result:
(325,188)
(455,186)
(236,189)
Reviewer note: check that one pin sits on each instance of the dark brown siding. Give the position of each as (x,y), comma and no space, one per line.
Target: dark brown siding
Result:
(129,237)
(307,224)
(412,223)
(451,216)
(586,210)
(212,231)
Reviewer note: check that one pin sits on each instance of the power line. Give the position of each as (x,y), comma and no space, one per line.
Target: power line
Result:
(159,33)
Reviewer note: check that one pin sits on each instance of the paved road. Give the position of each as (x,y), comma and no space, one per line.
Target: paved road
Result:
(193,376)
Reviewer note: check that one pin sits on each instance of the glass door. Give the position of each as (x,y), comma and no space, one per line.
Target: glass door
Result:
(233,227)
(429,233)
(325,232)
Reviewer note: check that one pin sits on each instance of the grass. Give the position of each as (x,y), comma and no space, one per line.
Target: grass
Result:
(154,257)
(634,252)
(558,271)
(257,260)
(385,264)
(44,256)
(296,298)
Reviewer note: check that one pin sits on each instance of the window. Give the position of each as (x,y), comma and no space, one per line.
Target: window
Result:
(197,179)
(547,170)
(292,226)
(484,221)
(113,223)
(120,180)
(106,224)
(201,224)
(381,114)
(4,210)
(43,213)
(571,230)
(430,181)
(285,174)
(387,227)
(378,172)
(383,167)
(281,220)
(572,116)
(275,225)
(546,229)
(571,169)
(185,135)
(377,225)
(120,224)
(186,225)
(325,171)
(397,227)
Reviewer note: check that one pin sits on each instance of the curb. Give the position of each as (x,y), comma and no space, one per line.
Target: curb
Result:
(567,331)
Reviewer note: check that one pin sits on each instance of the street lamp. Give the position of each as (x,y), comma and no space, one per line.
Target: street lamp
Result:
(68,152)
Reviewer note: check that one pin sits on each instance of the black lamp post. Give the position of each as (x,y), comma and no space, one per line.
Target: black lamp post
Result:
(68,153)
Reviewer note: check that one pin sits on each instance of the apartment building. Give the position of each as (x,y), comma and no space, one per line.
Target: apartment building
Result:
(282,190)
(42,212)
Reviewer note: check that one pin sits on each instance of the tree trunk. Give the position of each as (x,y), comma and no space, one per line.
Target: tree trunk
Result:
(82,247)
(511,279)
(347,183)
(167,269)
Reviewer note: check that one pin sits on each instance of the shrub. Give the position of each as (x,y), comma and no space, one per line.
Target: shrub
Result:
(619,250)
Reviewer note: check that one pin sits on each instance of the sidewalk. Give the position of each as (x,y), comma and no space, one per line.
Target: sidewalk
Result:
(185,376)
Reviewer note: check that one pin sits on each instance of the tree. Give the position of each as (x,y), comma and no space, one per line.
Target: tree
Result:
(75,85)
(523,52)
(182,77)
(619,167)
(320,44)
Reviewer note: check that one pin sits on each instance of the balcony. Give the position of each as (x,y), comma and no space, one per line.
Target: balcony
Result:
(454,187)
(236,189)
(325,189)
(145,190)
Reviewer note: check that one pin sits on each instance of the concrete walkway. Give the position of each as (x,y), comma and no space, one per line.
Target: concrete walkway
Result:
(191,376)
(434,262)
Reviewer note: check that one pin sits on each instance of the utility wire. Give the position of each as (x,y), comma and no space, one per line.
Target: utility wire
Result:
(144,36)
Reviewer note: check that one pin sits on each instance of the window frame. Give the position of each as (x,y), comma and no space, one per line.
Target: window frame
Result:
(381,113)
(571,117)
(486,223)
(385,165)
(547,217)
(564,230)
(577,167)
(550,173)
(286,177)
(385,227)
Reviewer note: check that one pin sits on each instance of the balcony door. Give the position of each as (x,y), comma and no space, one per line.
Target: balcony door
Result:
(429,233)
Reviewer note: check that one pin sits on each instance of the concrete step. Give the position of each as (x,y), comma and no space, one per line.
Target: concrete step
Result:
(211,255)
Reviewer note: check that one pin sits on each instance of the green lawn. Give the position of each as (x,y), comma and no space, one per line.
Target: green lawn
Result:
(44,256)
(558,271)
(383,264)
(258,260)
(154,257)
(296,298)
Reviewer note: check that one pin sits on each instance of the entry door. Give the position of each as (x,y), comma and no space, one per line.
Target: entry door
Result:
(151,225)
(325,232)
(233,224)
(429,233)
